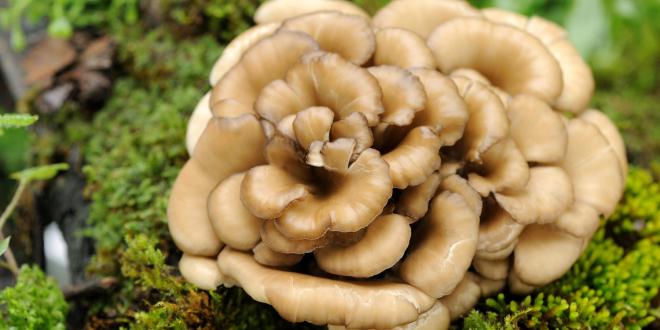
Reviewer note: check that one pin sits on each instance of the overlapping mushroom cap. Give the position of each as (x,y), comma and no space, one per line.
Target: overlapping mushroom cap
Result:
(352,171)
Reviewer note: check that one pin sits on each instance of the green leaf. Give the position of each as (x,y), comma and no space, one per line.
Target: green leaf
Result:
(40,173)
(4,244)
(16,120)
(588,26)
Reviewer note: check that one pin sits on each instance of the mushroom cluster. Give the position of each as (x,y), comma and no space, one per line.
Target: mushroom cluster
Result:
(387,172)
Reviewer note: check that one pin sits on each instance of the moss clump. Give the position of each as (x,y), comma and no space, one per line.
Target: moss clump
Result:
(35,302)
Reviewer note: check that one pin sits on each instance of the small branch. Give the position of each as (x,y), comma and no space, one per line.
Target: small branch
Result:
(11,263)
(14,201)
(90,288)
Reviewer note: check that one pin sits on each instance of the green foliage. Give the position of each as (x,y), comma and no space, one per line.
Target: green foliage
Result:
(36,302)
(45,172)
(16,120)
(608,287)
(4,244)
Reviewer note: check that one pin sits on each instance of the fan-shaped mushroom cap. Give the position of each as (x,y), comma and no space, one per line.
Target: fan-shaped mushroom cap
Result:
(226,147)
(414,201)
(487,123)
(590,161)
(503,169)
(235,49)
(198,121)
(464,76)
(312,124)
(322,79)
(492,269)
(298,297)
(504,253)
(229,108)
(202,272)
(578,82)
(356,127)
(497,230)
(441,255)
(402,48)
(457,184)
(544,253)
(611,133)
(547,195)
(232,222)
(248,77)
(436,318)
(381,247)
(510,58)
(334,156)
(403,94)
(463,298)
(537,130)
(277,242)
(519,287)
(415,158)
(267,190)
(279,10)
(267,257)
(489,287)
(347,35)
(421,16)
(445,109)
(581,220)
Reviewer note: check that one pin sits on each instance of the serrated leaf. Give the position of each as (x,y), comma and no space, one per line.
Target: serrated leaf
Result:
(40,173)
(16,120)
(4,245)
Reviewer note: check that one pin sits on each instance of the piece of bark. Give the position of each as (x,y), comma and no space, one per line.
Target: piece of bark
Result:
(98,54)
(45,59)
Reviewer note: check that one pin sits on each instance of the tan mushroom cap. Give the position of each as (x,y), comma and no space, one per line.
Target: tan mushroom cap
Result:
(267,190)
(547,195)
(457,184)
(312,124)
(402,48)
(277,242)
(442,253)
(322,79)
(381,247)
(414,201)
(347,35)
(334,156)
(235,49)
(415,158)
(590,162)
(487,123)
(489,287)
(298,297)
(226,147)
(519,287)
(230,108)
(497,230)
(279,10)
(403,94)
(463,298)
(356,127)
(576,75)
(202,272)
(544,253)
(473,75)
(503,168)
(581,220)
(445,109)
(244,81)
(538,131)
(504,253)
(232,222)
(510,58)
(492,269)
(198,121)
(267,257)
(436,318)
(421,16)
(611,133)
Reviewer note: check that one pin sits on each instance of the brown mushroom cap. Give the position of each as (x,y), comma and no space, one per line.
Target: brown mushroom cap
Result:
(503,253)
(519,287)
(298,297)
(279,10)
(489,287)
(414,201)
(492,269)
(347,35)
(463,298)
(277,242)
(356,127)
(267,257)
(421,16)
(503,168)
(403,94)
(187,213)
(235,49)
(515,61)
(322,79)
(232,222)
(441,254)
(497,229)
(590,161)
(202,272)
(381,247)
(436,318)
(611,133)
(402,48)
(198,121)
(581,220)
(312,124)
(415,158)
(537,130)
(457,184)
(445,109)
(244,81)
(544,253)
(547,195)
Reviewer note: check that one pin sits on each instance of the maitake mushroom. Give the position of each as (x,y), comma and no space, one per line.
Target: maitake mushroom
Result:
(387,172)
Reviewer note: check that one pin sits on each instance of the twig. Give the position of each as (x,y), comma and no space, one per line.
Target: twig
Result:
(92,287)
(12,265)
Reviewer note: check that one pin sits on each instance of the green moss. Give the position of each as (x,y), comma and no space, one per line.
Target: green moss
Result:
(35,302)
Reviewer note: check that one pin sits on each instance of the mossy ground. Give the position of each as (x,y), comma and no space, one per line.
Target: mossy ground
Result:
(134,147)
